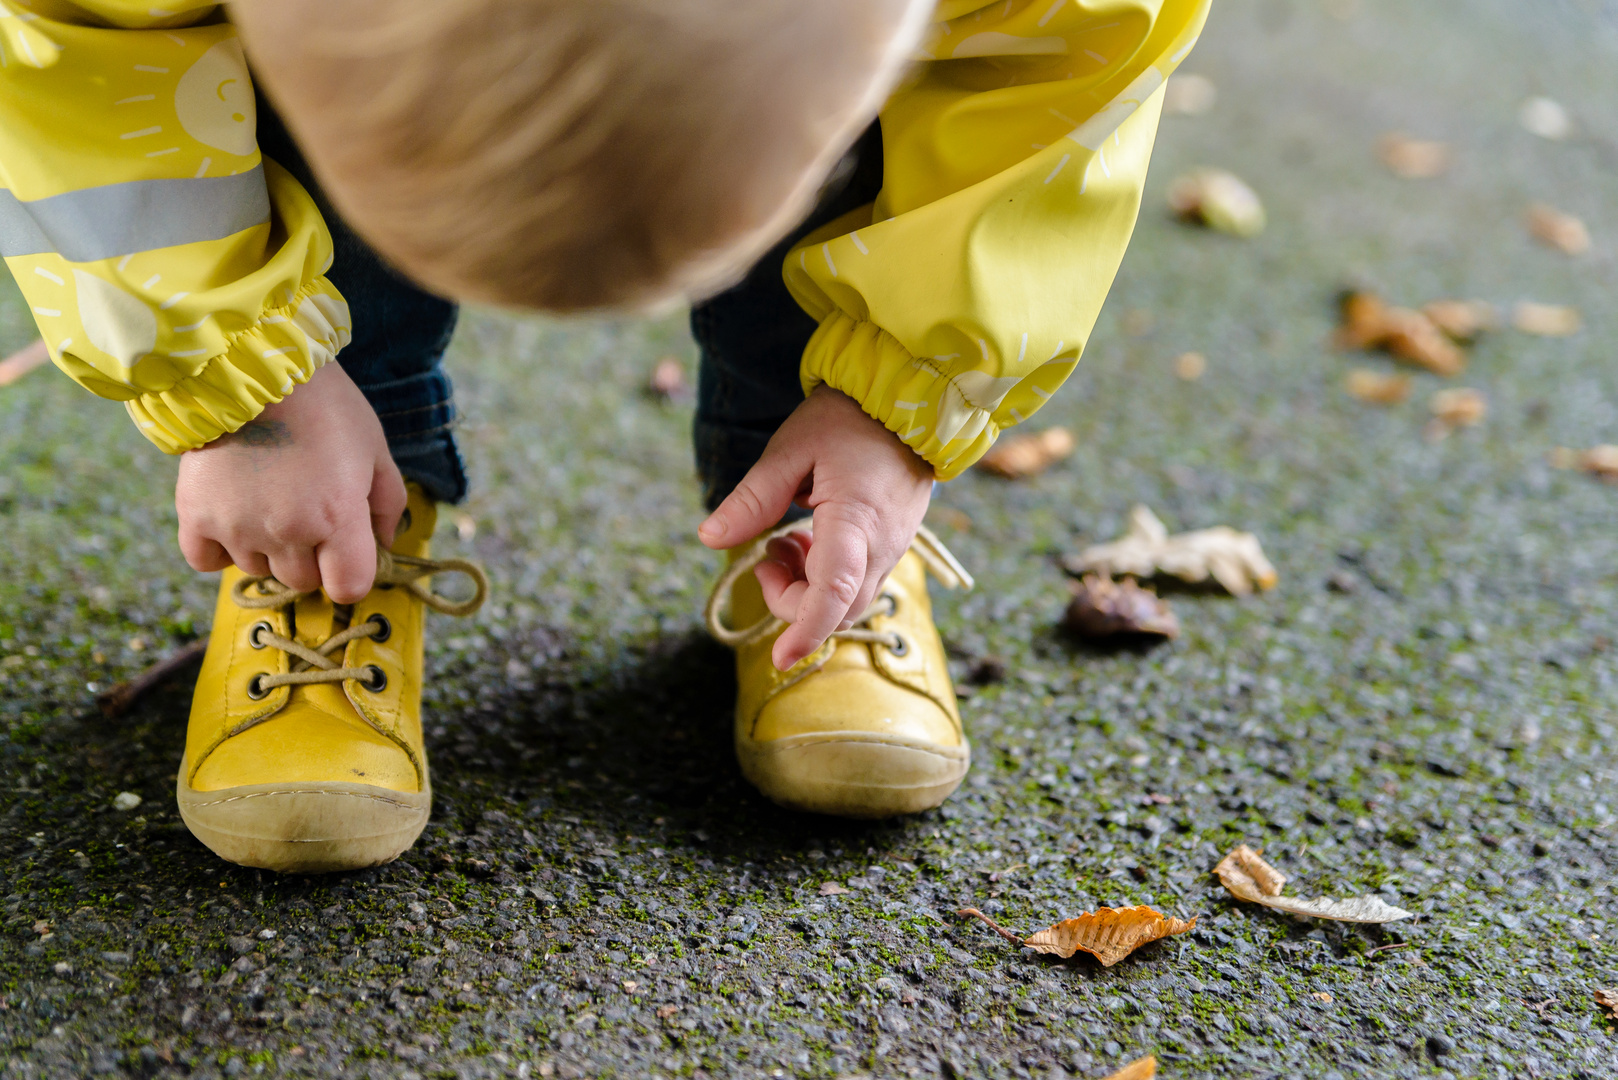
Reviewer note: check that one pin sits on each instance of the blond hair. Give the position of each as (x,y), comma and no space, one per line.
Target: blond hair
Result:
(574,154)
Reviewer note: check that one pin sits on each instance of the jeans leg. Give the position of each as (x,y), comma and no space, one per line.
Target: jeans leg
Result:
(399,337)
(752,338)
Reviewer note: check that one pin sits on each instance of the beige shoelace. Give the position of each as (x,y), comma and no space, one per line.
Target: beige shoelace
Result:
(938,558)
(315,665)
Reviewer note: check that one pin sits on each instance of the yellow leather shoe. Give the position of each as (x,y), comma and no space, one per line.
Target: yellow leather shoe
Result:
(304,752)
(867,726)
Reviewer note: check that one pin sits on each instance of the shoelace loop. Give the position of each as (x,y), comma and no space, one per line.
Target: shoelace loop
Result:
(938,559)
(315,665)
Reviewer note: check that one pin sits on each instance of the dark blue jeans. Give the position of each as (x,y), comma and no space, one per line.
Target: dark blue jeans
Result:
(400,334)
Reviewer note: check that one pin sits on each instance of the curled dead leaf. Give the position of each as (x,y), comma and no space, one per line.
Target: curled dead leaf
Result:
(1413,159)
(1218,199)
(831,888)
(22,362)
(1250,878)
(1102,607)
(1600,461)
(1377,387)
(1190,366)
(1462,320)
(1546,320)
(1557,229)
(1455,408)
(1027,455)
(1233,559)
(1608,999)
(1108,934)
(1189,95)
(1412,336)
(1140,1069)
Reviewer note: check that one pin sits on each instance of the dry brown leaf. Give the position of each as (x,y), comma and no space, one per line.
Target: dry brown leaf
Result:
(1462,320)
(1600,461)
(1554,228)
(1458,407)
(1218,199)
(1377,387)
(1189,95)
(668,380)
(1409,335)
(1546,320)
(1190,366)
(1140,1069)
(1102,607)
(831,888)
(1413,159)
(1108,934)
(22,362)
(1233,559)
(1250,878)
(1027,455)
(1608,999)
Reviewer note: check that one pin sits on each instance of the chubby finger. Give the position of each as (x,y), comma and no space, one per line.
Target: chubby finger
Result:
(835,569)
(250,562)
(203,554)
(296,569)
(347,562)
(781,574)
(388,500)
(759,501)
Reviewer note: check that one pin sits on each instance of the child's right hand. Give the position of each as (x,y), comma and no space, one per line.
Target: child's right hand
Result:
(303,492)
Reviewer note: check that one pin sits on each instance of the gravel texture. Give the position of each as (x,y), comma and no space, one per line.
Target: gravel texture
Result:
(1424,709)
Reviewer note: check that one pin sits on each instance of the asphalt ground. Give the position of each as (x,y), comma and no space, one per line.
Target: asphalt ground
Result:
(1423,709)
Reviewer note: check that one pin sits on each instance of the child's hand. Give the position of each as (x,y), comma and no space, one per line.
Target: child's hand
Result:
(302,492)
(868,490)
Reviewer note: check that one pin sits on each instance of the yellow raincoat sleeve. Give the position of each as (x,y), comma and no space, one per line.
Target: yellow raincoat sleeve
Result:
(959,301)
(169,266)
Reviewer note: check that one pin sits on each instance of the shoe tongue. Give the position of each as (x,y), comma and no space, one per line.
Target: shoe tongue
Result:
(313,619)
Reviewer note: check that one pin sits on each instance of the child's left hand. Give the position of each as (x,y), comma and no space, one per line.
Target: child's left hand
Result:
(869,492)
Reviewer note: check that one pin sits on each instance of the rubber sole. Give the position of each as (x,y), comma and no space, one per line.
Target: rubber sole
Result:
(304,828)
(852,774)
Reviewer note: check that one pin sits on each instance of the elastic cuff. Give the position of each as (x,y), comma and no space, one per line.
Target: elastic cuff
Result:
(912,396)
(260,366)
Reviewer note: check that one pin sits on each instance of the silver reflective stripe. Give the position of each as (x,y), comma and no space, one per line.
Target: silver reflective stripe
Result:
(140,215)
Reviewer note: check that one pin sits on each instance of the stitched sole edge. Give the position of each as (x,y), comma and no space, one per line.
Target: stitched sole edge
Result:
(304,828)
(845,774)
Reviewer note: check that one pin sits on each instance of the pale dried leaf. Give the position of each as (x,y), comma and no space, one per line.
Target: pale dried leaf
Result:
(831,888)
(1554,228)
(1546,320)
(1250,878)
(1189,95)
(1140,1069)
(1108,934)
(22,362)
(1409,335)
(1234,559)
(1026,455)
(1600,461)
(1462,320)
(1103,608)
(1413,159)
(1546,118)
(1458,407)
(1608,999)
(1218,199)
(668,380)
(1190,366)
(1376,387)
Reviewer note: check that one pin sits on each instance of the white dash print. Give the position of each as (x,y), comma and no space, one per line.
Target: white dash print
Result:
(63,347)
(49,313)
(825,249)
(278,352)
(1044,395)
(123,262)
(171,301)
(914,433)
(160,153)
(271,320)
(48,276)
(858,243)
(1015,415)
(1059,166)
(191,326)
(202,170)
(152,70)
(1022,350)
(136,98)
(1102,156)
(1051,14)
(153,280)
(142,133)
(1058,351)
(1097,57)
(185,353)
(910,406)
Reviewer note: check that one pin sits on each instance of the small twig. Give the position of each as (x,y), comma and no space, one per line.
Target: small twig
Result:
(1385,948)
(996,927)
(22,362)
(121,698)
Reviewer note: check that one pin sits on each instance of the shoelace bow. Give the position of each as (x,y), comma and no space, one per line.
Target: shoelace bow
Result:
(939,560)
(315,665)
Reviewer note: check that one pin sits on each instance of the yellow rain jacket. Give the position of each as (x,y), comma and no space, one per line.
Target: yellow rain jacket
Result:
(172,267)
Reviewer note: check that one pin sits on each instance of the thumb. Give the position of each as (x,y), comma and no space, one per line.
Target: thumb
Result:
(759,501)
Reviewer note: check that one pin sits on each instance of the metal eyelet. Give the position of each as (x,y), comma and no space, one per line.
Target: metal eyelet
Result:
(378,680)
(900,646)
(254,631)
(255,687)
(384,628)
(404,521)
(893,604)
